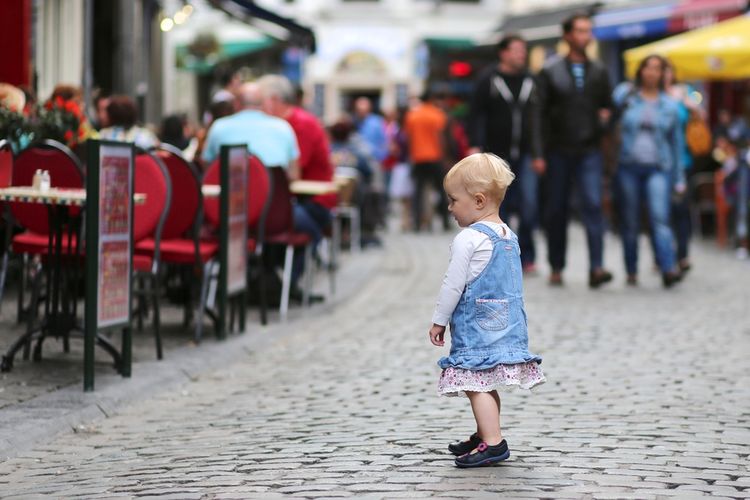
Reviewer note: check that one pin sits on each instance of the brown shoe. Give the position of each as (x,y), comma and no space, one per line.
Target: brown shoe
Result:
(632,280)
(555,279)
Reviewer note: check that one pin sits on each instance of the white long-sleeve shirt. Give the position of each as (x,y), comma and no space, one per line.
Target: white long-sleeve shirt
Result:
(470,254)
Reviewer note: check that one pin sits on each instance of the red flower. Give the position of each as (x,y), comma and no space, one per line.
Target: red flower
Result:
(48,105)
(59,102)
(68,135)
(71,107)
(81,133)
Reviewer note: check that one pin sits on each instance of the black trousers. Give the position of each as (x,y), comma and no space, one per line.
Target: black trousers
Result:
(425,174)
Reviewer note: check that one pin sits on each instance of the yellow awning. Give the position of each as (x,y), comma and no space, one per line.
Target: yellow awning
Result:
(718,52)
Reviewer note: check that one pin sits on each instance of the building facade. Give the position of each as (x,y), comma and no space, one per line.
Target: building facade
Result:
(111,46)
(382,48)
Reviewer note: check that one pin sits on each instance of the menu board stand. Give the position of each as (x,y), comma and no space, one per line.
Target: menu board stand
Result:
(109,251)
(232,289)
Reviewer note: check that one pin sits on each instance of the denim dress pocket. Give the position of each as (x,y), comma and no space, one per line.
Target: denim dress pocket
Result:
(492,314)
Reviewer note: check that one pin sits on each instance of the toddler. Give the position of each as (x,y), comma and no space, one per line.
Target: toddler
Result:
(482,299)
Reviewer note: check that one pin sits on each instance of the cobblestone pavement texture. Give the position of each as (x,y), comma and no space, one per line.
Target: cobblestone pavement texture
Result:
(647,397)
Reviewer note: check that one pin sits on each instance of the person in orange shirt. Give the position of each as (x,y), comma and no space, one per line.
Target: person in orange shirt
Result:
(425,131)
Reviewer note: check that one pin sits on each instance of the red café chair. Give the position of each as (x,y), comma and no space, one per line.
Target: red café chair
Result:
(258,185)
(151,178)
(278,229)
(66,171)
(180,239)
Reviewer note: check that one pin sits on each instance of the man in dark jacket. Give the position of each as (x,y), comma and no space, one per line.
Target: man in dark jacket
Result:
(504,120)
(576,105)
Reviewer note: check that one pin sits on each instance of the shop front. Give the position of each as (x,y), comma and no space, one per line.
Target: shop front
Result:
(368,61)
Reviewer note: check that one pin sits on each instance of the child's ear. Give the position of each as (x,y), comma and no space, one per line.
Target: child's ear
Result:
(480,200)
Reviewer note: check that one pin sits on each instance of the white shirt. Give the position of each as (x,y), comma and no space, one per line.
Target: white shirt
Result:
(470,253)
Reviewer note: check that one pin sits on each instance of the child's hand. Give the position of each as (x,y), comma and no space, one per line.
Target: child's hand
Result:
(437,333)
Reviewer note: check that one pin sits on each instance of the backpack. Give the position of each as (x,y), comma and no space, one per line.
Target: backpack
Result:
(698,136)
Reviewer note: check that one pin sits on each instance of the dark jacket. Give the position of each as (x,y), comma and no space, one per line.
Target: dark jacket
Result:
(490,121)
(571,117)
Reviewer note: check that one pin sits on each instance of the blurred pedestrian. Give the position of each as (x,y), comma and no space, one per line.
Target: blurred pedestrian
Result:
(650,165)
(371,130)
(399,182)
(425,128)
(690,110)
(489,337)
(371,127)
(123,124)
(576,103)
(505,120)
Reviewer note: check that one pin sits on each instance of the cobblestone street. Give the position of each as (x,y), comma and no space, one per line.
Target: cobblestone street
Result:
(647,397)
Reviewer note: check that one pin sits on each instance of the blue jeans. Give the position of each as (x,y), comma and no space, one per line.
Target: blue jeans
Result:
(522,199)
(653,185)
(743,197)
(562,170)
(681,225)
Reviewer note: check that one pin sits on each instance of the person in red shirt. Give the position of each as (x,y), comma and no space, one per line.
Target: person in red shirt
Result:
(312,215)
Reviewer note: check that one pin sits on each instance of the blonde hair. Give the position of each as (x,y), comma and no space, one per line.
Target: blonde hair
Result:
(482,173)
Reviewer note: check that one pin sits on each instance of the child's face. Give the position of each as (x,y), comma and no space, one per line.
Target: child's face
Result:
(461,204)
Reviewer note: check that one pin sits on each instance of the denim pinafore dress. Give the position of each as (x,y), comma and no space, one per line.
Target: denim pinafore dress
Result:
(488,327)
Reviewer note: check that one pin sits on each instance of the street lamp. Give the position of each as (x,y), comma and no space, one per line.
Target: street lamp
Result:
(166,24)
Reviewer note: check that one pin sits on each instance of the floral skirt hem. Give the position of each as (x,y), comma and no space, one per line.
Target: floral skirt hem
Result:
(456,381)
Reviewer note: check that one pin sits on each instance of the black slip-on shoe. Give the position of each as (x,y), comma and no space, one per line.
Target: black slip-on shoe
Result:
(671,278)
(485,455)
(599,277)
(464,447)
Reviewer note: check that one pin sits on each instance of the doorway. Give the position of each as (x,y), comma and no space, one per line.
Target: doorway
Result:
(348,96)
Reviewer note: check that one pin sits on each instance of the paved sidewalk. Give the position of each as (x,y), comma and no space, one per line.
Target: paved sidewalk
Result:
(39,400)
(647,398)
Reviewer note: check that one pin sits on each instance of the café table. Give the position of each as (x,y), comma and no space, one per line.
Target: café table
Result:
(300,188)
(60,310)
